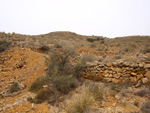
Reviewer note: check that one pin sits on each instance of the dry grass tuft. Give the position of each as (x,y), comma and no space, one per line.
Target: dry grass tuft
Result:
(81,103)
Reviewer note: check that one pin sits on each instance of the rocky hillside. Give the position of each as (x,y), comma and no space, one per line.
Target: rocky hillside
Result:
(102,75)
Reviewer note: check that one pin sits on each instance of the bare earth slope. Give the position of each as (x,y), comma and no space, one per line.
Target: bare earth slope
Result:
(22,66)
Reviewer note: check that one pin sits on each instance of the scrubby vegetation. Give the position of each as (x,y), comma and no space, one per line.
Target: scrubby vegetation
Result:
(4,45)
(82,103)
(72,59)
(90,93)
(146,49)
(81,63)
(14,87)
(38,84)
(62,75)
(64,84)
(145,107)
(97,92)
(44,48)
(90,40)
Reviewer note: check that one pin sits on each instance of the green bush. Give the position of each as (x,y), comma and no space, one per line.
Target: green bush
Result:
(59,77)
(38,84)
(14,87)
(60,70)
(44,48)
(90,40)
(64,83)
(41,96)
(59,62)
(4,45)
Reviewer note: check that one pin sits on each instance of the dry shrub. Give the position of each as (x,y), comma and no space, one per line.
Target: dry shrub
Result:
(61,71)
(81,103)
(57,45)
(4,45)
(64,84)
(91,94)
(90,40)
(41,96)
(142,92)
(148,84)
(116,87)
(44,48)
(59,62)
(97,91)
(146,49)
(145,107)
(81,63)
(59,77)
(38,84)
(14,87)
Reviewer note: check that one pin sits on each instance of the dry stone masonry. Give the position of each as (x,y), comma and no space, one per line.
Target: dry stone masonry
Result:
(118,71)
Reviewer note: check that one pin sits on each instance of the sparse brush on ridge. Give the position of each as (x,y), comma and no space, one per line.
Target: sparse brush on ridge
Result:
(146,49)
(4,45)
(90,40)
(44,48)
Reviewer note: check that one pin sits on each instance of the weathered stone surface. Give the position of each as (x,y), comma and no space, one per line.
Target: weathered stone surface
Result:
(109,64)
(141,65)
(126,64)
(144,80)
(128,72)
(134,65)
(101,65)
(147,74)
(147,66)
(1,96)
(115,80)
(110,75)
(138,84)
(134,74)
(133,79)
(1,109)
(139,77)
(114,63)
(99,77)
(110,80)
(119,70)
(106,75)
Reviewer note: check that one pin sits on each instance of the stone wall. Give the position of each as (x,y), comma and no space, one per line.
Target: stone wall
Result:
(118,71)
